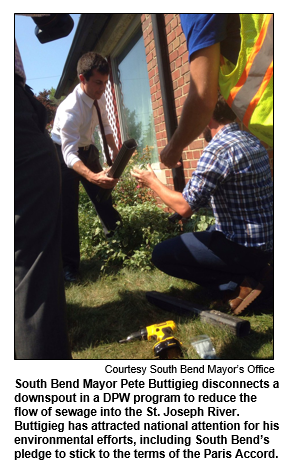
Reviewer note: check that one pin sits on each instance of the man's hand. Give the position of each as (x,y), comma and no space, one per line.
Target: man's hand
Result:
(173,199)
(170,156)
(101,179)
(144,177)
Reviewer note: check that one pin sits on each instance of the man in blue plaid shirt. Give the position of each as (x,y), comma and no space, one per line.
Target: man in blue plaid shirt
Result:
(233,177)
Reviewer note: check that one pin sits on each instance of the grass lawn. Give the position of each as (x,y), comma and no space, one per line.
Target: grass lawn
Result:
(103,309)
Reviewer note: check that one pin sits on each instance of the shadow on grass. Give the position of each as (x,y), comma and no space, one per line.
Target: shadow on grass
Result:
(115,320)
(90,270)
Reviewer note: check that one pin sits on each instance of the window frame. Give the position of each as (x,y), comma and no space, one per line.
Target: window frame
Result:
(127,42)
(121,46)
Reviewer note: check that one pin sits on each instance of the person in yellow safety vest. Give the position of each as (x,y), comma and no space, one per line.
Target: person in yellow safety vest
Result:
(233,52)
(248,87)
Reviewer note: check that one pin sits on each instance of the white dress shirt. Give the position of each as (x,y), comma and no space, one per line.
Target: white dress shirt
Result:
(75,122)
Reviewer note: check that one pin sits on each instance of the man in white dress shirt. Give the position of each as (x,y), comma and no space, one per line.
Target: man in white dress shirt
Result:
(74,125)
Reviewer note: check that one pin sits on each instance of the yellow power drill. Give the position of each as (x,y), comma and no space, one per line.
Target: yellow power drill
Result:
(167,346)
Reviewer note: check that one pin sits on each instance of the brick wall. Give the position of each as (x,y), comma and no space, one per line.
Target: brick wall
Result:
(179,66)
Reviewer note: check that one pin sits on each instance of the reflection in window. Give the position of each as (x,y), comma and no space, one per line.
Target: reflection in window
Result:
(134,96)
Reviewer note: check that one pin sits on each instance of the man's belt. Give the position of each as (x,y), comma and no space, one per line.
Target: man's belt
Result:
(84,148)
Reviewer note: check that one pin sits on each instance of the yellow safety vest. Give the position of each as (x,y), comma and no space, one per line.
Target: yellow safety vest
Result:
(248,86)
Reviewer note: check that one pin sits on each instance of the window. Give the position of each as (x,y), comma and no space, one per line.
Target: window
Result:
(133,95)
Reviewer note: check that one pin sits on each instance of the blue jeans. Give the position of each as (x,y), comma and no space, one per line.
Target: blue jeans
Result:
(209,259)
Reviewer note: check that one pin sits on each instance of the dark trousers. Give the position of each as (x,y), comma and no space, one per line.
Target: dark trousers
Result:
(209,259)
(40,325)
(108,215)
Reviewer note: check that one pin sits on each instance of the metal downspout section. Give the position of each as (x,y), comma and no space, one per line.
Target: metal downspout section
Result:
(159,31)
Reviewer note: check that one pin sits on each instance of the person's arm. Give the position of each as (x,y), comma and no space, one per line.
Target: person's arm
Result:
(173,199)
(199,105)
(69,132)
(101,179)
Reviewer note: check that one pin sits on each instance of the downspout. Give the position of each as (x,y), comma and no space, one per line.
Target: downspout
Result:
(159,31)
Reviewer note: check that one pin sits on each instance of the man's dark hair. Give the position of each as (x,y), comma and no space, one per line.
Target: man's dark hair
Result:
(90,61)
(222,112)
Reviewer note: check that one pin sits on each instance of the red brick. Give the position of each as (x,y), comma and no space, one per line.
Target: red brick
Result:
(187,78)
(182,100)
(149,57)
(179,31)
(173,56)
(186,164)
(178,92)
(151,73)
(197,145)
(154,105)
(168,17)
(181,81)
(178,62)
(149,66)
(177,104)
(197,154)
(175,74)
(186,87)
(184,68)
(176,44)
(171,37)
(182,49)
(145,24)
(174,23)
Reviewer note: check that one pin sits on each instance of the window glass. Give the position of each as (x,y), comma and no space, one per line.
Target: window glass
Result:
(134,96)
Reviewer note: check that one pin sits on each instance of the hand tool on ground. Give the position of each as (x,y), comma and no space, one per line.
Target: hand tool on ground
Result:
(167,346)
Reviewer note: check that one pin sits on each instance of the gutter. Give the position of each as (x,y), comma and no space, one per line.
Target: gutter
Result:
(170,116)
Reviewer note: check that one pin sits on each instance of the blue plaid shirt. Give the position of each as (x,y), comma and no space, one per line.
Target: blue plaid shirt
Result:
(233,176)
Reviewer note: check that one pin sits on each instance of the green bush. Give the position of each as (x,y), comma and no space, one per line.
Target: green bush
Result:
(144,224)
(127,192)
